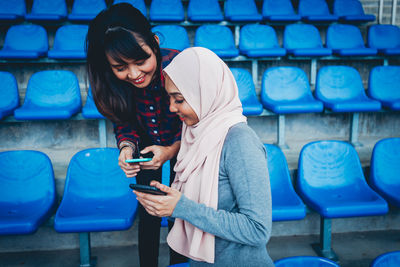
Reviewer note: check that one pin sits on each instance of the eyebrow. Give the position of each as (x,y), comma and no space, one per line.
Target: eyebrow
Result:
(175,94)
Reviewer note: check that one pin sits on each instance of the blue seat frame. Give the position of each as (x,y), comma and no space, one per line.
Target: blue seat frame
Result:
(204,10)
(305,261)
(385,38)
(281,10)
(86,10)
(48,10)
(241,10)
(9,95)
(166,10)
(217,38)
(69,42)
(351,11)
(316,11)
(384,86)
(172,36)
(388,259)
(12,10)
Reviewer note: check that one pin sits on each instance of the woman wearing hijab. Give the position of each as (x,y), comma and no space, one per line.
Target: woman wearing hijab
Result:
(220,198)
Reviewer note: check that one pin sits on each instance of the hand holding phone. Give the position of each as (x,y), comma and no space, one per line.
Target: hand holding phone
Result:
(147,189)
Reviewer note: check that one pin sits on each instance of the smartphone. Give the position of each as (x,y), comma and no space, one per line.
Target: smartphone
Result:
(138,160)
(147,189)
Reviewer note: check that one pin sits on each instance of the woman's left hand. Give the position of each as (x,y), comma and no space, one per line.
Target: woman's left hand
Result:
(157,205)
(161,155)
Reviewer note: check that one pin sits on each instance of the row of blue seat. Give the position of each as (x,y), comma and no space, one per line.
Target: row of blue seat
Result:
(283,90)
(256,40)
(197,10)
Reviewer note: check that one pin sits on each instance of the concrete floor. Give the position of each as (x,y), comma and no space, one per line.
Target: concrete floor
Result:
(353,249)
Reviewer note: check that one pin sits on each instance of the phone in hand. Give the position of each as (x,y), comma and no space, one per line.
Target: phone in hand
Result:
(146,157)
(147,189)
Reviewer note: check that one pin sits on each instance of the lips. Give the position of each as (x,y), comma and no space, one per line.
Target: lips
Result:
(139,80)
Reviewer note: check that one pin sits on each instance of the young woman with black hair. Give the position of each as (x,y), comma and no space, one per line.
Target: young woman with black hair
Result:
(124,63)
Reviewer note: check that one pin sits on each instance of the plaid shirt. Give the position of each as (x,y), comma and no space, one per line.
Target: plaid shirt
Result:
(152,113)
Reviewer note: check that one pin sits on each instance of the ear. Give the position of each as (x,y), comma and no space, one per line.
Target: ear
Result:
(157,39)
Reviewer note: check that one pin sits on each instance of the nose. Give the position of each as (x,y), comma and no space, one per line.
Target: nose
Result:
(172,107)
(133,73)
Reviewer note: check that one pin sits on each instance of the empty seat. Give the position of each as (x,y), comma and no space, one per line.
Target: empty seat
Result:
(346,40)
(315,11)
(305,261)
(258,40)
(27,191)
(385,169)
(281,10)
(247,92)
(48,10)
(90,110)
(186,264)
(204,10)
(51,94)
(12,10)
(166,10)
(384,86)
(25,41)
(385,38)
(9,96)
(286,204)
(389,259)
(351,11)
(241,10)
(139,4)
(86,10)
(287,90)
(340,88)
(304,40)
(172,36)
(331,181)
(69,42)
(217,38)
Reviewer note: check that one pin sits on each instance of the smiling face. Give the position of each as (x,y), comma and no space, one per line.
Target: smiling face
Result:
(179,105)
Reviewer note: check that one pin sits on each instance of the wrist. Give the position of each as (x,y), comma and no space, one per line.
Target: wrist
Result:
(125,144)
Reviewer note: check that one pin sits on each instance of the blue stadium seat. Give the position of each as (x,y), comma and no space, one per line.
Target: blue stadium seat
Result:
(25,41)
(50,95)
(27,191)
(86,10)
(9,96)
(166,10)
(346,40)
(281,10)
(287,90)
(48,10)
(385,38)
(247,92)
(309,261)
(286,204)
(217,38)
(241,10)
(139,4)
(351,11)
(258,40)
(186,264)
(12,10)
(331,181)
(172,36)
(384,86)
(90,111)
(69,42)
(204,10)
(385,169)
(315,11)
(389,259)
(165,179)
(340,88)
(304,40)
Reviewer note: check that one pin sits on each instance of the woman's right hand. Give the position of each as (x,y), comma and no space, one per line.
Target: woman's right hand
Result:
(130,169)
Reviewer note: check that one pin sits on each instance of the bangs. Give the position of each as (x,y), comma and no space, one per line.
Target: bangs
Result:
(120,43)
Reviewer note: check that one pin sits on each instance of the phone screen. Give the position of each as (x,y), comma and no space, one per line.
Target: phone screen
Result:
(147,189)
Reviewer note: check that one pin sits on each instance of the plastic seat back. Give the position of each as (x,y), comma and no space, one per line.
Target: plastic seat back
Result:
(25,41)
(204,10)
(48,10)
(12,10)
(315,10)
(139,4)
(90,110)
(172,36)
(351,10)
(386,38)
(217,38)
(27,191)
(241,10)
(385,169)
(51,94)
(384,86)
(166,10)
(281,10)
(247,92)
(69,42)
(286,204)
(9,96)
(389,259)
(309,261)
(258,40)
(86,10)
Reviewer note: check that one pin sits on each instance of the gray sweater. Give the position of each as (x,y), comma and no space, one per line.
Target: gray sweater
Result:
(242,223)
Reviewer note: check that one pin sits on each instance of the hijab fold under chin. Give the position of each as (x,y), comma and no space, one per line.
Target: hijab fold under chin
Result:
(209,87)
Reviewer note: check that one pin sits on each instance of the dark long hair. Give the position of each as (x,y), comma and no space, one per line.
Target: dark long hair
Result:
(119,32)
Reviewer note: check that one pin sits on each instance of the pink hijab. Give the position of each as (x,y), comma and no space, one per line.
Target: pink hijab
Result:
(209,87)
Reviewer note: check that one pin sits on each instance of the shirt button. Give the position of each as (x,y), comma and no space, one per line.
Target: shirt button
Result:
(151,108)
(155,131)
(158,140)
(153,120)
